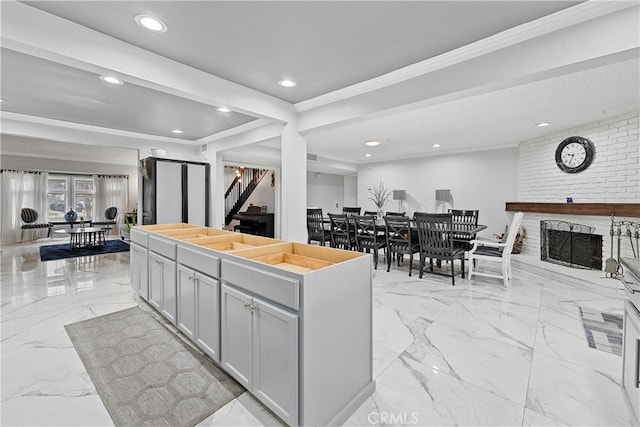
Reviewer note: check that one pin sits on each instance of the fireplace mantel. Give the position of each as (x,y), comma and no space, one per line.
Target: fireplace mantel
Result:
(602,209)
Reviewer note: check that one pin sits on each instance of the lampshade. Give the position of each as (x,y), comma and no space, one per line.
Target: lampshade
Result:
(443,195)
(399,194)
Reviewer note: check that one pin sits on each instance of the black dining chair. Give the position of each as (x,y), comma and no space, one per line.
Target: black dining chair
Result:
(389,213)
(342,233)
(315,227)
(374,213)
(464,219)
(367,236)
(435,234)
(400,240)
(29,217)
(351,210)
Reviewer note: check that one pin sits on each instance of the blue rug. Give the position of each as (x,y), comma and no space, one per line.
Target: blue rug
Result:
(53,252)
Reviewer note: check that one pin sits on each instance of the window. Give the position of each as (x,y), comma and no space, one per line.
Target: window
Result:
(61,196)
(83,197)
(57,197)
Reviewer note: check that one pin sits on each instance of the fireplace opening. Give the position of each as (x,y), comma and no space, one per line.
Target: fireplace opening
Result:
(572,245)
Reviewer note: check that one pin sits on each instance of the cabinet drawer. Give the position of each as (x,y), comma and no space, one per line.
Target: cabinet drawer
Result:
(281,289)
(139,237)
(206,263)
(163,246)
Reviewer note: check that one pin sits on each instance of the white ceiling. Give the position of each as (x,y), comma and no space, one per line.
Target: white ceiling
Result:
(466,75)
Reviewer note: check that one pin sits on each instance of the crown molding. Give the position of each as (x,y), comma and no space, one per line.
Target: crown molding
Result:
(582,12)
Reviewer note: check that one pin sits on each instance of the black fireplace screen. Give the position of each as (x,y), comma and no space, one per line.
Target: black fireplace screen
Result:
(569,244)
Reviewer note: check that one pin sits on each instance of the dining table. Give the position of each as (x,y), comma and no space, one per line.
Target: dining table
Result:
(459,229)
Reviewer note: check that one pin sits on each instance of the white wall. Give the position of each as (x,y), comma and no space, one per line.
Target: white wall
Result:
(482,180)
(326,191)
(613,177)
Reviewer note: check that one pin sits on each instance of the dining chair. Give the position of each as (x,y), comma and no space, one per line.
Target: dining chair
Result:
(463,219)
(389,213)
(374,213)
(351,210)
(435,233)
(367,237)
(29,217)
(315,227)
(341,232)
(400,240)
(483,250)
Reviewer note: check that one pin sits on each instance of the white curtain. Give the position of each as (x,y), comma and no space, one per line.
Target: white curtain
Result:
(111,191)
(21,190)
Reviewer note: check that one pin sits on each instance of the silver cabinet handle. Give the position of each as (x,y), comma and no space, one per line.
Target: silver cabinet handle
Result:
(247,304)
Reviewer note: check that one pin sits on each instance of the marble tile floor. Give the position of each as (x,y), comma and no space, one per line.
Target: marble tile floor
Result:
(473,354)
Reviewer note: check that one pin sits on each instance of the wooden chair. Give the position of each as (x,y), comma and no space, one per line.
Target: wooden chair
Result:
(400,240)
(436,241)
(351,211)
(29,217)
(496,252)
(462,219)
(341,232)
(315,227)
(367,237)
(374,213)
(389,213)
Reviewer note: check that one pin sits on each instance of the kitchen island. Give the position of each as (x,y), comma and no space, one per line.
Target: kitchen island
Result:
(291,322)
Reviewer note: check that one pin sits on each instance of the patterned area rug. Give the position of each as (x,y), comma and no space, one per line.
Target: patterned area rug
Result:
(146,374)
(603,330)
(53,252)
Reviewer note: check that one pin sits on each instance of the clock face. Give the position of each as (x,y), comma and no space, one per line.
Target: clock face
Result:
(574,154)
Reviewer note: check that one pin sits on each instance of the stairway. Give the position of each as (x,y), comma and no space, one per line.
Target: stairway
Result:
(245,182)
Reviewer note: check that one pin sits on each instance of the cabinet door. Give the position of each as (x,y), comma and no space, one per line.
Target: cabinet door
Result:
(155,280)
(169,300)
(196,194)
(275,375)
(208,316)
(235,329)
(169,198)
(187,301)
(134,261)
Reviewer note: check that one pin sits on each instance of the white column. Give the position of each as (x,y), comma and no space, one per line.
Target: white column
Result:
(294,185)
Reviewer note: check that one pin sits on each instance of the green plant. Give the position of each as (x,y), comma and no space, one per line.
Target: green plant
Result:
(131,218)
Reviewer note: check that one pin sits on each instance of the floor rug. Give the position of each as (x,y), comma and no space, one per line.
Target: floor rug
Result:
(53,252)
(603,330)
(146,374)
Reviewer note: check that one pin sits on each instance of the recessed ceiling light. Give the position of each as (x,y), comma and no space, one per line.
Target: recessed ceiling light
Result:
(177,131)
(223,109)
(543,124)
(368,155)
(372,143)
(436,145)
(111,79)
(151,23)
(287,83)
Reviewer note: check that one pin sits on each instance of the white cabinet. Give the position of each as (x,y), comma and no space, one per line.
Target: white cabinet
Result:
(260,350)
(198,310)
(162,285)
(139,262)
(631,358)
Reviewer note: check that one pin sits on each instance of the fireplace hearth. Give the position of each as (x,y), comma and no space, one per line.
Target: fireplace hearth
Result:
(569,244)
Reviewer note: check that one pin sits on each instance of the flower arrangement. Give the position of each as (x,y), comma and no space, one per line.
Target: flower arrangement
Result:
(379,195)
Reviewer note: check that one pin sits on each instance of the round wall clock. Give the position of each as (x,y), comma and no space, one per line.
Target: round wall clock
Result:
(575,154)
